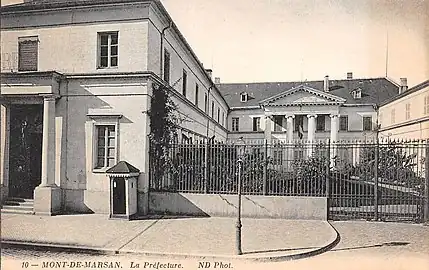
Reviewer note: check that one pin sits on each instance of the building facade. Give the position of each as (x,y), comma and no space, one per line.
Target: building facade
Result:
(406,116)
(77,82)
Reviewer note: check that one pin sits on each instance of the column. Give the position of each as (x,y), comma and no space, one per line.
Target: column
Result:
(334,138)
(311,132)
(48,143)
(47,196)
(290,146)
(268,131)
(4,149)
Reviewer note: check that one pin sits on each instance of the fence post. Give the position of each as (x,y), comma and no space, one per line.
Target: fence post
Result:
(376,180)
(328,177)
(264,179)
(426,190)
(206,167)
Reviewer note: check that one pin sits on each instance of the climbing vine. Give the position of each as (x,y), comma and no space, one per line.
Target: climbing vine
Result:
(163,128)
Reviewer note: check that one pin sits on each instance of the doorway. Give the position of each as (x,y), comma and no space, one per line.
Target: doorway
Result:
(119,196)
(25,150)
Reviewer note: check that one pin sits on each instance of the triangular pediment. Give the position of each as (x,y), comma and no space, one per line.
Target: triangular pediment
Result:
(302,95)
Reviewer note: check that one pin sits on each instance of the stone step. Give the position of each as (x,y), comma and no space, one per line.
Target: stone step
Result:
(7,202)
(15,199)
(16,211)
(18,207)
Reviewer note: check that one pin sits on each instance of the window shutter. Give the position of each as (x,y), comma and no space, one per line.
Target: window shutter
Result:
(28,54)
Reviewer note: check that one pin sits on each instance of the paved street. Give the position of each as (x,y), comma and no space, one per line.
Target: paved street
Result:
(363,245)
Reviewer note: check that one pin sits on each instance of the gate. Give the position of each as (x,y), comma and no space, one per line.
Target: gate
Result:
(379,181)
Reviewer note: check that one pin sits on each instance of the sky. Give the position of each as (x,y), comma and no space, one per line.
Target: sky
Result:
(296,40)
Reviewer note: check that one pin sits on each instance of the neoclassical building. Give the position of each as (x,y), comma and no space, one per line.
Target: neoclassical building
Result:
(311,110)
(77,79)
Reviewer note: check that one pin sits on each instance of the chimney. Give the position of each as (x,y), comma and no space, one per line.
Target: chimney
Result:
(403,87)
(349,75)
(217,80)
(326,84)
(209,72)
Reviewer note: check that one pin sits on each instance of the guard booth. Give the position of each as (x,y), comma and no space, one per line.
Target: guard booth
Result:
(123,190)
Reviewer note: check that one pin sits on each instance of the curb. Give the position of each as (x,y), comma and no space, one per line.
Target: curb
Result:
(335,239)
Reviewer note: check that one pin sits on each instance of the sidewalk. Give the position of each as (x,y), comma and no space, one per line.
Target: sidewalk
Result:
(182,237)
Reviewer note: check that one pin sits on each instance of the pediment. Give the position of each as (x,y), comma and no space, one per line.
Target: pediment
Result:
(302,95)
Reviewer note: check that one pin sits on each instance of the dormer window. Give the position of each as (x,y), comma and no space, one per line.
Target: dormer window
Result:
(243,97)
(357,93)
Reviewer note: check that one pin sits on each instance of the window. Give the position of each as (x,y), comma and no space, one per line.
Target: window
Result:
(218,115)
(223,119)
(213,107)
(256,123)
(299,122)
(357,94)
(235,123)
(367,123)
(184,82)
(426,104)
(167,66)
(407,111)
(392,116)
(278,122)
(108,50)
(277,157)
(28,49)
(243,97)
(205,103)
(344,123)
(106,146)
(196,94)
(320,123)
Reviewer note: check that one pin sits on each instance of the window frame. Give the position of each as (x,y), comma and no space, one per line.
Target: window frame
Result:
(368,118)
(28,39)
(96,125)
(244,97)
(166,66)
(197,90)
(213,109)
(426,104)
(341,128)
(256,122)
(407,111)
(393,116)
(206,103)
(297,122)
(321,123)
(278,126)
(109,49)
(235,124)
(184,82)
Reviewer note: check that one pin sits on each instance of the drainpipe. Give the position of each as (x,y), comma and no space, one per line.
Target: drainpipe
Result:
(206,152)
(161,55)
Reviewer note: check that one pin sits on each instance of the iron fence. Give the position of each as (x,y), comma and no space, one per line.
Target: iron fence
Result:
(370,180)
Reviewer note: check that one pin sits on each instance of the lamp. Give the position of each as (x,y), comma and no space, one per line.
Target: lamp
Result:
(241,148)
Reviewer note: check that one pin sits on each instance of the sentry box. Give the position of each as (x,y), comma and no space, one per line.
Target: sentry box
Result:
(123,190)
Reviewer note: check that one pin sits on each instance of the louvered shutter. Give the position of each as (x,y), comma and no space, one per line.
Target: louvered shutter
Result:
(27,55)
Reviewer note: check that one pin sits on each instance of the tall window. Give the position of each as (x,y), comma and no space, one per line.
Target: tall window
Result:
(367,123)
(206,103)
(320,123)
(299,122)
(223,119)
(235,123)
(218,115)
(278,122)
(196,94)
(256,123)
(28,53)
(407,111)
(213,107)
(392,116)
(106,146)
(184,82)
(344,123)
(108,49)
(167,66)
(243,97)
(427,104)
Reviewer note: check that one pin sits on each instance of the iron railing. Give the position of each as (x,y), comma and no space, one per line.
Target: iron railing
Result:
(370,180)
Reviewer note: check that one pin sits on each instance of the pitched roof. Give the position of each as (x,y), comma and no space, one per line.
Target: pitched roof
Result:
(374,90)
(123,167)
(413,89)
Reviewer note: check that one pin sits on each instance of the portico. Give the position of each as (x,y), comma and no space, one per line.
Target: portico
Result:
(29,156)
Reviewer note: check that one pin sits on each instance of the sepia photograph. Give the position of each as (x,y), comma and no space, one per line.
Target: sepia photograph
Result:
(214,134)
